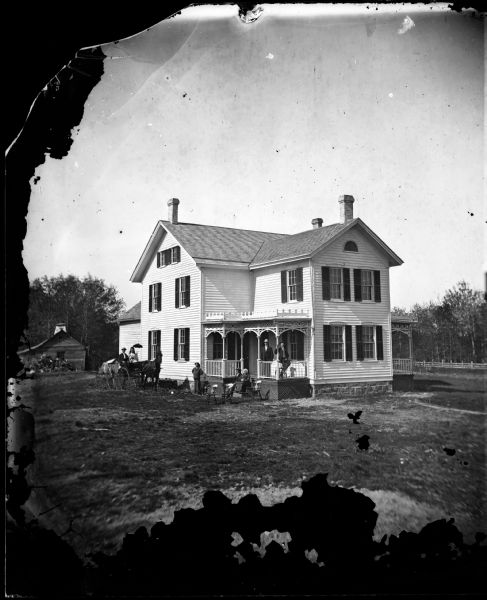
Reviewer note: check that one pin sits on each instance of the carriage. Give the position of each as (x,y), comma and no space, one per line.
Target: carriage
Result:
(129,376)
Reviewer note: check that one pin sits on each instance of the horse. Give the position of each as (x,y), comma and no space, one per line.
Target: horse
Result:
(150,370)
(109,370)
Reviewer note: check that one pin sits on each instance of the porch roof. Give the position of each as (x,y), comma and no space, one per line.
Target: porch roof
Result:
(244,317)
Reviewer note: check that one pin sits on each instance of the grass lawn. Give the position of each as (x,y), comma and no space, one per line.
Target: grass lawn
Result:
(112,461)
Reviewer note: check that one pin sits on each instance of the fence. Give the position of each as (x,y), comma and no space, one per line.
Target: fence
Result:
(423,365)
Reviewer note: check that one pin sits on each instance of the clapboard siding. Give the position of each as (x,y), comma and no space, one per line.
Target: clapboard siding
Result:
(226,290)
(129,334)
(352,313)
(268,288)
(169,317)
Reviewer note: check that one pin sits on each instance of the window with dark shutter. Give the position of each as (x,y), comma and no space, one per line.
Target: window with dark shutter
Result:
(188,291)
(186,343)
(360,346)
(357,284)
(158,259)
(150,298)
(377,285)
(176,254)
(149,346)
(325,282)
(176,293)
(176,342)
(346,285)
(299,284)
(158,297)
(283,286)
(380,345)
(327,342)
(348,343)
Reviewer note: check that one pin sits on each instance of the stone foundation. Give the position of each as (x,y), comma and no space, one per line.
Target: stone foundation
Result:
(369,388)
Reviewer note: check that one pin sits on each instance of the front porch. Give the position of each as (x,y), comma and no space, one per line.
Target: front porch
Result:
(235,341)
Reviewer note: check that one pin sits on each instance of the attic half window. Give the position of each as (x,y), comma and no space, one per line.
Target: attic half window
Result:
(292,285)
(169,256)
(350,246)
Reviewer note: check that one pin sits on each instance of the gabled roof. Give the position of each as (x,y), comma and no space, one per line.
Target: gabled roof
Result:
(299,245)
(206,242)
(253,249)
(308,243)
(132,314)
(57,337)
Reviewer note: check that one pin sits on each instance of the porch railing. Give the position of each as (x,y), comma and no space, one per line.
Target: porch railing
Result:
(265,369)
(402,365)
(297,368)
(214,368)
(222,368)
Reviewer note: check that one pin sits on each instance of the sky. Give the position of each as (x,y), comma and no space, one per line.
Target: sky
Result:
(264,125)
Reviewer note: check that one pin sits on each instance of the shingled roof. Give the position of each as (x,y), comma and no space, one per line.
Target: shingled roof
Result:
(248,248)
(132,314)
(297,245)
(220,243)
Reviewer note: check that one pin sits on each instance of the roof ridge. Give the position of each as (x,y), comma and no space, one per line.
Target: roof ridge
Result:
(223,227)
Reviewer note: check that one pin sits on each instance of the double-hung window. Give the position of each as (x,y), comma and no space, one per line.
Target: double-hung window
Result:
(169,256)
(154,343)
(337,342)
(181,343)
(367,285)
(369,342)
(292,285)
(154,297)
(182,291)
(336,284)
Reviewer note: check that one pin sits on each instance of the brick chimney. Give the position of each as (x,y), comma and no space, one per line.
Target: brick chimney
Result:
(173,210)
(346,208)
(317,223)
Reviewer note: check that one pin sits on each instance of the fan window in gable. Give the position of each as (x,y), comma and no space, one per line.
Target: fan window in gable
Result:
(350,246)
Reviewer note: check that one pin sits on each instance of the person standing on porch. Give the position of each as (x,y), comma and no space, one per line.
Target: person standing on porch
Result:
(283,357)
(268,354)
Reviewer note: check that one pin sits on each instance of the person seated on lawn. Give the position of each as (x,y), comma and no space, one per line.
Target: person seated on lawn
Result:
(198,373)
(133,355)
(245,379)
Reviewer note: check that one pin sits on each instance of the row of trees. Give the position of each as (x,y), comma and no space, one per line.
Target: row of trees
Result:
(89,307)
(452,329)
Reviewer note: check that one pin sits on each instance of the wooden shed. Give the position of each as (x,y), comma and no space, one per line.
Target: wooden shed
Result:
(61,345)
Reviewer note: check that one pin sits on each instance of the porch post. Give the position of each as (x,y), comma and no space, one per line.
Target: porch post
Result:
(242,333)
(205,352)
(258,355)
(410,339)
(224,358)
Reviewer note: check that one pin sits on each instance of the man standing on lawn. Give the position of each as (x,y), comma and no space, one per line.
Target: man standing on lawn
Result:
(157,367)
(197,374)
